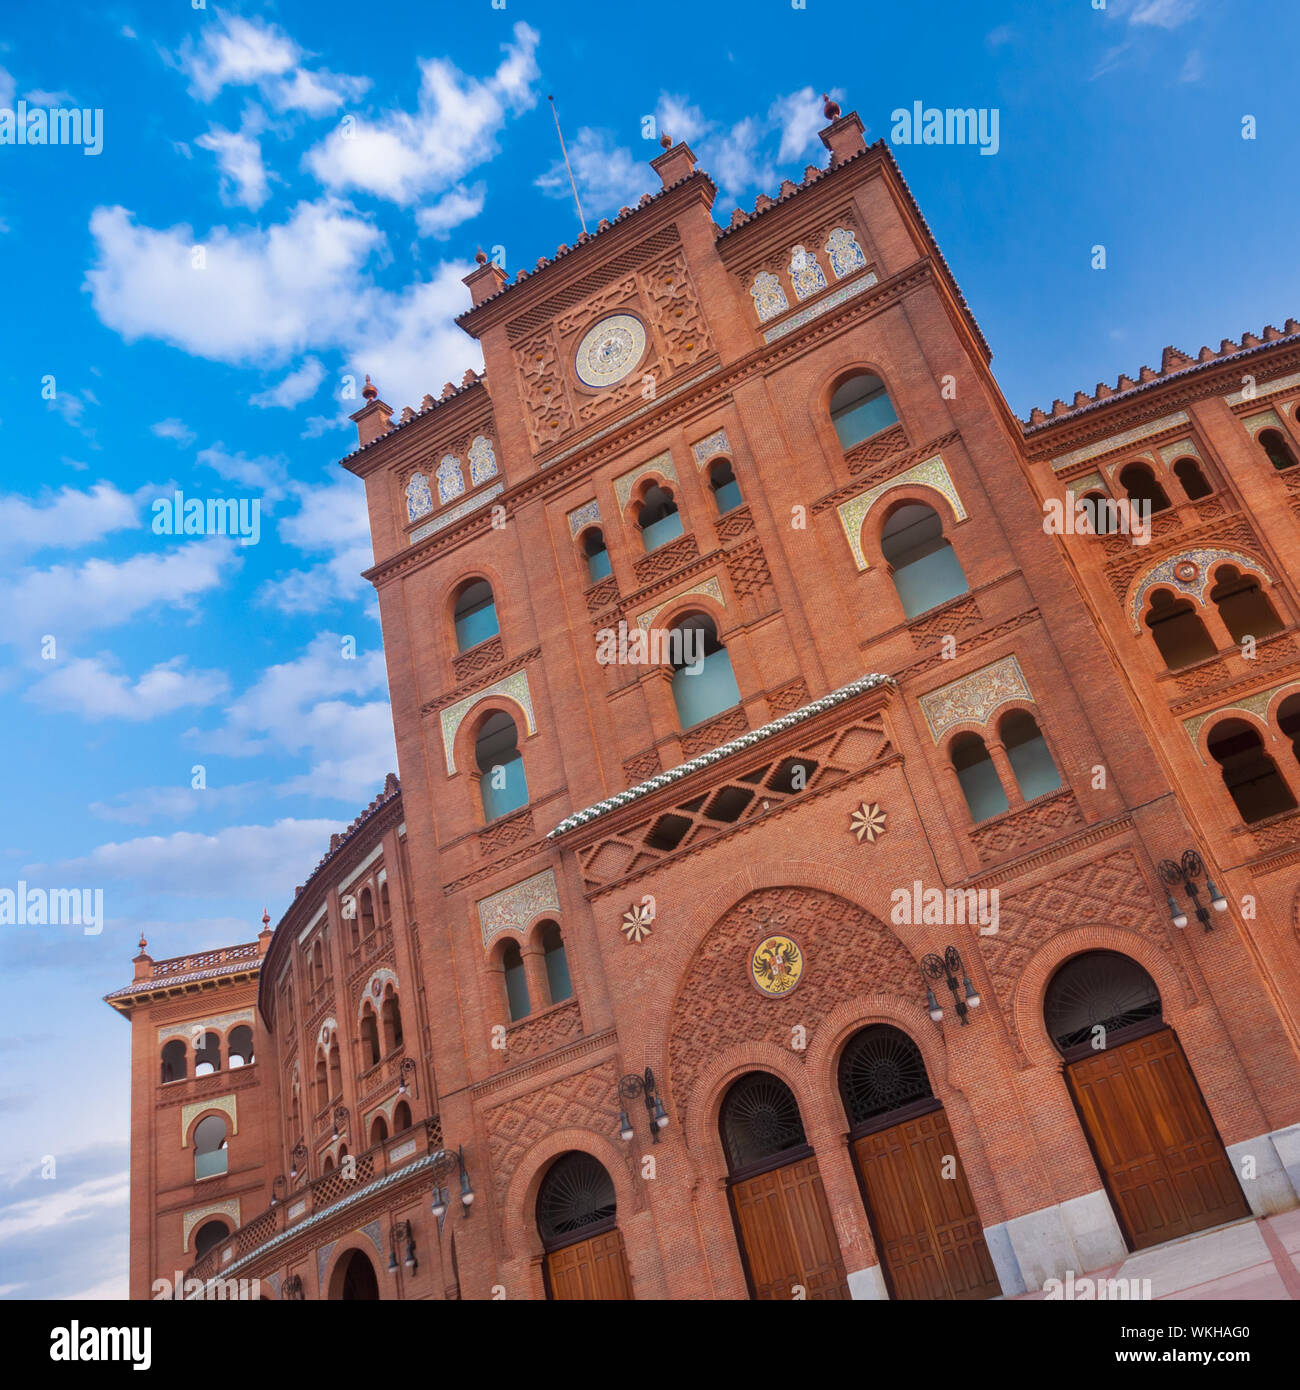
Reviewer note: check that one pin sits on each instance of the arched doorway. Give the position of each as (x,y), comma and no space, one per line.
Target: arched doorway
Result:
(928,1234)
(356,1278)
(782,1218)
(577,1219)
(1156,1146)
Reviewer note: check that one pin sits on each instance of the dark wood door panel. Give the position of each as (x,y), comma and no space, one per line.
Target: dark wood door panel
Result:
(593,1269)
(785,1228)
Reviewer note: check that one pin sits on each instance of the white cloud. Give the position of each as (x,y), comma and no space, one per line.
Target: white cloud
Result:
(239,157)
(318,425)
(402,156)
(65,520)
(140,806)
(88,687)
(317,93)
(799,116)
(332,520)
(8,88)
(58,1209)
(679,118)
(1193,67)
(265,473)
(607,175)
(300,385)
(459,205)
(39,96)
(236,52)
(734,159)
(175,430)
(1163,14)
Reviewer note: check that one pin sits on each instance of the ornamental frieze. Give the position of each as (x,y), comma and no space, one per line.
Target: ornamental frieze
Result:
(971,699)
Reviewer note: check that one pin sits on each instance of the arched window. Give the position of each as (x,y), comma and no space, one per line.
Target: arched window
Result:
(317,966)
(1098,990)
(503,785)
(881,1070)
(209,1236)
(1243,605)
(354,929)
(1288,721)
(327,1164)
(1192,479)
(385,908)
(401,1117)
(370,1051)
(1100,515)
(336,1071)
(703,681)
(558,984)
(1280,453)
(1140,483)
(391,1014)
(512,964)
(1179,633)
(475,615)
(295,1107)
(322,1081)
(860,408)
(659,519)
(726,490)
(173,1061)
(367,912)
(760,1123)
(378,1131)
(1030,758)
(924,565)
(210,1155)
(239,1046)
(1249,773)
(984,793)
(207,1055)
(576,1199)
(597,557)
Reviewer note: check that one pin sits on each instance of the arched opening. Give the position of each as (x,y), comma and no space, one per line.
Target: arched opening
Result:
(595,554)
(370,1049)
(928,1233)
(1029,755)
(385,907)
(503,784)
(1278,451)
(978,778)
(174,1057)
(209,1236)
(1288,721)
(577,1219)
(512,966)
(210,1153)
(207,1055)
(658,518)
(475,615)
(1179,633)
(355,1279)
(391,1015)
(787,1240)
(703,681)
(367,912)
(1160,1156)
(558,984)
(401,1117)
(924,566)
(295,1108)
(327,1164)
(378,1131)
(336,1072)
(1191,478)
(1243,605)
(322,1081)
(860,407)
(1101,516)
(239,1046)
(1140,483)
(1249,773)
(726,490)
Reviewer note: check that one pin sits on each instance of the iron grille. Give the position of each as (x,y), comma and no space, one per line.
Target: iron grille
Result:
(760,1117)
(576,1193)
(881,1070)
(1098,989)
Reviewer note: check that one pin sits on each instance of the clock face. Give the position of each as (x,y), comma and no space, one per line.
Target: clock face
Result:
(610,350)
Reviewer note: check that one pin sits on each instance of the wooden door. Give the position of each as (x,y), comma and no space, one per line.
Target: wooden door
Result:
(1160,1156)
(786,1233)
(595,1268)
(930,1236)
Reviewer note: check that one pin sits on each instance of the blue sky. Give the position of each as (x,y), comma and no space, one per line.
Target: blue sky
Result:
(338,165)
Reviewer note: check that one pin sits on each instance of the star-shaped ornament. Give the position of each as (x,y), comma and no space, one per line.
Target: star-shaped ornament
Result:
(867,822)
(637,922)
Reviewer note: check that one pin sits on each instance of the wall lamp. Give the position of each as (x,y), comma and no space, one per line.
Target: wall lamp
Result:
(407,1069)
(1186,871)
(402,1234)
(293,1289)
(341,1116)
(947,967)
(299,1157)
(445,1163)
(629,1088)
(278,1188)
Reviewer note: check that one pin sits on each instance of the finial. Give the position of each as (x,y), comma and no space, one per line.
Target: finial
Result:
(266,918)
(370,392)
(481,256)
(143,943)
(830,109)
(666,140)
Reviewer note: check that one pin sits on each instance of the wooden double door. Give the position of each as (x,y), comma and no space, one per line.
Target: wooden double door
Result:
(928,1234)
(1160,1155)
(595,1268)
(786,1236)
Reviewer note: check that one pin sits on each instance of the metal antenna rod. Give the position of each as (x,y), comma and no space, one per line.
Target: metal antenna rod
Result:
(582,220)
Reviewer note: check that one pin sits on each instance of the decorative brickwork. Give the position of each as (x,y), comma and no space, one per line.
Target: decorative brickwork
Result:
(479,660)
(1046,818)
(666,559)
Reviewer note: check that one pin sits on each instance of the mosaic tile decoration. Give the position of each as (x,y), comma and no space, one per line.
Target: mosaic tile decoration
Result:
(933,472)
(401,1151)
(219,1024)
(1185,448)
(710,588)
(1266,388)
(1093,480)
(451,481)
(514,687)
(769,297)
(973,698)
(323,1259)
(229,1209)
(482,461)
(623,486)
(1117,441)
(383,976)
(586,515)
(844,252)
(831,301)
(513,908)
(1162,575)
(419,500)
(806,274)
(274,1281)
(373,1232)
(1262,421)
(471,504)
(327,1031)
(711,447)
(1256,704)
(226,1104)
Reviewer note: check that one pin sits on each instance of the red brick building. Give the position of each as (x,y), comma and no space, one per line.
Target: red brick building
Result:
(773,902)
